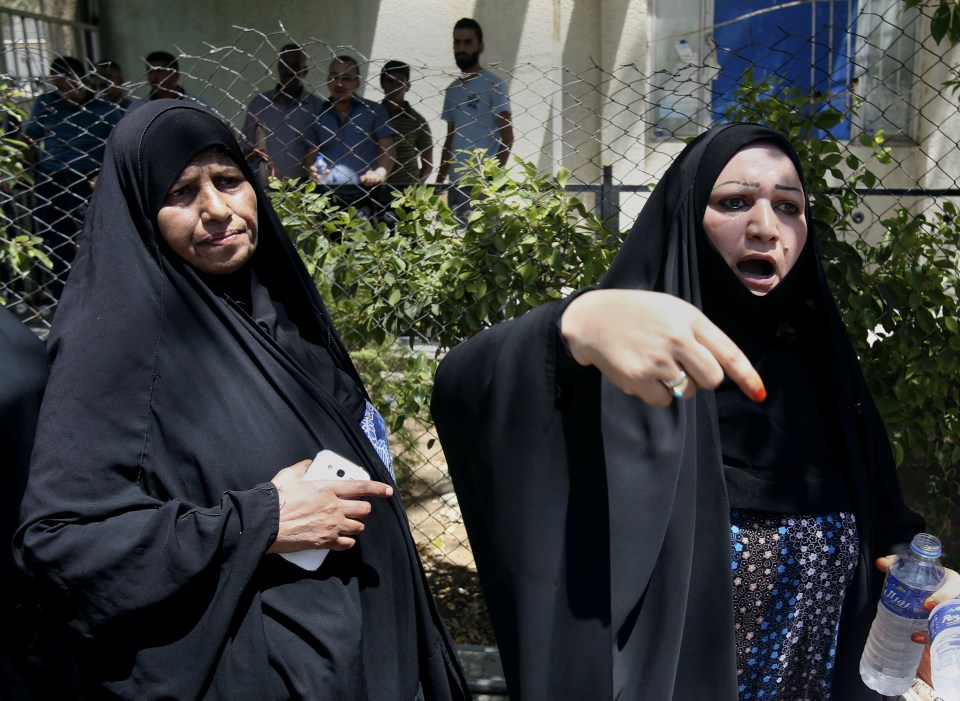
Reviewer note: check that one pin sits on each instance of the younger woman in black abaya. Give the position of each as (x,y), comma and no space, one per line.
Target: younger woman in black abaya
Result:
(194,374)
(645,528)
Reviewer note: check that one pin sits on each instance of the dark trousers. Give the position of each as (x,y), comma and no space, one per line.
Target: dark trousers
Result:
(459,202)
(370,203)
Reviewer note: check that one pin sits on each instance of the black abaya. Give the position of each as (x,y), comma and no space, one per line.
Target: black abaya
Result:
(171,404)
(600,524)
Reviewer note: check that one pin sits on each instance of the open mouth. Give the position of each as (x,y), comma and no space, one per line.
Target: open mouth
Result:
(756,268)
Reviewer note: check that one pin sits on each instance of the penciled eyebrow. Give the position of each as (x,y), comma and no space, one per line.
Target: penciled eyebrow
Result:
(787,188)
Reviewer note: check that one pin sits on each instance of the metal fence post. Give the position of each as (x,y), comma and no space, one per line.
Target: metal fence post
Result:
(609,200)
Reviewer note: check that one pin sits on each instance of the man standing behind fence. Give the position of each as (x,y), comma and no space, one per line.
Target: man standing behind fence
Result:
(278,120)
(476,108)
(69,127)
(414,141)
(109,82)
(163,74)
(354,138)
(351,132)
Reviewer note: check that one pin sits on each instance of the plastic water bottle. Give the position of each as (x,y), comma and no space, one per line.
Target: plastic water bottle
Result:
(890,658)
(945,649)
(321,165)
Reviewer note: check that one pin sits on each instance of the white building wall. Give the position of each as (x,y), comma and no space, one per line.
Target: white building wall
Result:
(548,49)
(575,70)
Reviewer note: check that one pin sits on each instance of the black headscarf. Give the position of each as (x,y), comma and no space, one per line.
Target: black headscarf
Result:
(174,398)
(280,296)
(669,505)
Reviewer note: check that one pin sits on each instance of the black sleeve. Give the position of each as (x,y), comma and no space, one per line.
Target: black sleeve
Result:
(23,376)
(530,477)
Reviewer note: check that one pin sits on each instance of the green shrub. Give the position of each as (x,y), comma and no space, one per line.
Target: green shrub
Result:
(430,279)
(19,252)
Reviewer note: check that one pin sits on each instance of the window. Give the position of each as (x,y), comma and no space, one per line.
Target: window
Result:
(833,49)
(887,60)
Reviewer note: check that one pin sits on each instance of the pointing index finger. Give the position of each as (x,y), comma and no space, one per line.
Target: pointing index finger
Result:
(735,364)
(354,489)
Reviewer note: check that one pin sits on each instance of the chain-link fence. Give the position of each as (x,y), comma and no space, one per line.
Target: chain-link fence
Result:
(873,84)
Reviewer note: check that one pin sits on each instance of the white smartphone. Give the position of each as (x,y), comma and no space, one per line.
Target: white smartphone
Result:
(333,466)
(328,465)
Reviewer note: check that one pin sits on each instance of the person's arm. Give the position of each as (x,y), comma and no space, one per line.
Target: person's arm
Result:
(637,339)
(426,164)
(949,589)
(310,164)
(505,131)
(640,339)
(256,152)
(96,537)
(385,136)
(424,144)
(254,135)
(445,155)
(388,154)
(314,138)
(321,513)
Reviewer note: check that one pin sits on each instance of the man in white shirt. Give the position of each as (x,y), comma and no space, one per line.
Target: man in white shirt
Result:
(476,108)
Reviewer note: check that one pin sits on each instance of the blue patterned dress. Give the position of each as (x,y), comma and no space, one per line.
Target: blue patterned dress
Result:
(375,430)
(790,573)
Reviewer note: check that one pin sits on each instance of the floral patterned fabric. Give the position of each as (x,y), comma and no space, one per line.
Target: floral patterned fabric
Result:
(790,573)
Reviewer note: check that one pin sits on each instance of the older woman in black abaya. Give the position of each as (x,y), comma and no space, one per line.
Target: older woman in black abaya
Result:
(195,372)
(607,498)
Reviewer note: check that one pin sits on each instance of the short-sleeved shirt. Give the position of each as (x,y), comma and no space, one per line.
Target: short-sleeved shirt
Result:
(74,135)
(286,125)
(413,138)
(471,105)
(353,141)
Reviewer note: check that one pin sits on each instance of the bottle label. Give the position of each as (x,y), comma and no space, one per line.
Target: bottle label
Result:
(902,600)
(946,615)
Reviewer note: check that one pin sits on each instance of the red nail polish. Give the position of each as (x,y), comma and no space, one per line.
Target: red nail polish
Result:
(760,394)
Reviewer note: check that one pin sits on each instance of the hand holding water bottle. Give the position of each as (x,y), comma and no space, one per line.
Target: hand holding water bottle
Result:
(319,169)
(916,582)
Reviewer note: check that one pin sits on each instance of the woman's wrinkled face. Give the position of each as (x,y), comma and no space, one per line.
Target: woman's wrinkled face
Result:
(755,216)
(209,216)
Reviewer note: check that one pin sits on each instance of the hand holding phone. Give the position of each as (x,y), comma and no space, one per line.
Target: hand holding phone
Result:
(327,465)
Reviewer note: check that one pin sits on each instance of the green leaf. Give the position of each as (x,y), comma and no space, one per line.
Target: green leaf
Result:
(828,119)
